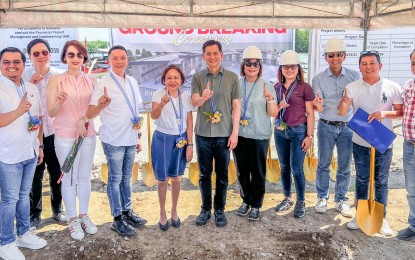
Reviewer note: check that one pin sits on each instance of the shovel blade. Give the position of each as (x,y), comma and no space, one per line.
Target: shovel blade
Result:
(309,174)
(104,173)
(333,169)
(369,216)
(273,172)
(194,173)
(134,174)
(148,175)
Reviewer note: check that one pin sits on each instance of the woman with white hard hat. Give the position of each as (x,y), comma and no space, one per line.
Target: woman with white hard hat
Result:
(258,106)
(294,128)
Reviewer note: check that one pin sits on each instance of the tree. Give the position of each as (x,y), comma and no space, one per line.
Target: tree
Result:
(302,40)
(94,45)
(137,52)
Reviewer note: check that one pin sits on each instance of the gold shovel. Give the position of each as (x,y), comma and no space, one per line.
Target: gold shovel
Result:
(273,173)
(104,173)
(369,214)
(194,174)
(310,165)
(147,169)
(232,173)
(333,169)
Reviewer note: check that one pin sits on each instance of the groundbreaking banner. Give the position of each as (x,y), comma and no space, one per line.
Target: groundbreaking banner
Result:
(151,50)
(56,37)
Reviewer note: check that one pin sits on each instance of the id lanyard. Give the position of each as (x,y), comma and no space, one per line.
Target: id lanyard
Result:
(179,117)
(246,99)
(22,94)
(133,111)
(281,114)
(217,93)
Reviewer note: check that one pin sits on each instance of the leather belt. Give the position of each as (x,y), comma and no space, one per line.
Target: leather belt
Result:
(410,141)
(333,123)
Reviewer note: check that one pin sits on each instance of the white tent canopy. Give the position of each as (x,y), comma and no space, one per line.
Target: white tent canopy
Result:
(330,14)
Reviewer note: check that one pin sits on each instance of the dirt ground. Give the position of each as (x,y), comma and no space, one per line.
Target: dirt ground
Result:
(275,236)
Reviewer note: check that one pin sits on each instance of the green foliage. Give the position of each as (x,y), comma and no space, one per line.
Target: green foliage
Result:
(302,40)
(94,45)
(137,52)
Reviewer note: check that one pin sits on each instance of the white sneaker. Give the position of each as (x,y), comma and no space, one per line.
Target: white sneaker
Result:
(344,209)
(353,224)
(31,241)
(11,252)
(76,230)
(88,226)
(321,206)
(386,229)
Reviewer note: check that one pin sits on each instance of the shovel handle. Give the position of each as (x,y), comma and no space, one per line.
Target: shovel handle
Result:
(372,179)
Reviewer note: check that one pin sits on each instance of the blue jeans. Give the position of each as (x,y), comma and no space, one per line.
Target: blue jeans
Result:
(409,171)
(209,148)
(328,137)
(291,157)
(15,184)
(120,165)
(361,156)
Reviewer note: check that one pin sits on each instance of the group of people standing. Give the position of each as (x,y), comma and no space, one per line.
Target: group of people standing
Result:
(44,112)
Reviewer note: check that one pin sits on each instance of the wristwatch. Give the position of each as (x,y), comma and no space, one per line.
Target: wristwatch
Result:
(311,136)
(42,146)
(139,135)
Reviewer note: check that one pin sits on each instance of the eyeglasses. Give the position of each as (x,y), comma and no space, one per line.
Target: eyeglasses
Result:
(367,53)
(71,55)
(287,67)
(15,62)
(256,64)
(37,53)
(331,55)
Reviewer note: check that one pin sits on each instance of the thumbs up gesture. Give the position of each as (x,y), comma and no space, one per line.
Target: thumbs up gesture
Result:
(24,105)
(165,99)
(61,95)
(318,100)
(267,94)
(207,93)
(104,100)
(283,103)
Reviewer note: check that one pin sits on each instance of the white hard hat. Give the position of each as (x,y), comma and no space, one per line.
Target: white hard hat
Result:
(335,45)
(252,52)
(289,58)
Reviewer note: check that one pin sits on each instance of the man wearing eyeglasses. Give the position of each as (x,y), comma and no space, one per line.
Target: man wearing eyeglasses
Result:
(408,129)
(332,129)
(216,94)
(39,74)
(20,138)
(381,98)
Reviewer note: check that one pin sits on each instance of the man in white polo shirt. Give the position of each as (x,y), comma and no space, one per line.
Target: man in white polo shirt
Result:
(381,98)
(116,98)
(20,109)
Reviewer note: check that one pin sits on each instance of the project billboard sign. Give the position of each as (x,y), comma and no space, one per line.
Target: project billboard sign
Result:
(394,47)
(151,50)
(56,37)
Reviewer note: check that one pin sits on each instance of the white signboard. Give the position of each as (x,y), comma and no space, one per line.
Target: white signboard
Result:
(393,45)
(56,37)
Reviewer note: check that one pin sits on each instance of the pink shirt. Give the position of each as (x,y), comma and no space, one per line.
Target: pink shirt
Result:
(408,120)
(79,89)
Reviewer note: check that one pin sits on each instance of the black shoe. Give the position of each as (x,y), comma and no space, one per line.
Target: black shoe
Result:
(406,234)
(220,218)
(123,228)
(299,209)
(254,214)
(134,219)
(203,217)
(176,223)
(34,223)
(243,209)
(284,205)
(61,218)
(165,226)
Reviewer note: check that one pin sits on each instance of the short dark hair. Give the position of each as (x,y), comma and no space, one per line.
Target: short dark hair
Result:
(13,49)
(116,47)
(300,75)
(211,43)
(369,53)
(78,46)
(34,42)
(172,67)
(412,53)
(242,72)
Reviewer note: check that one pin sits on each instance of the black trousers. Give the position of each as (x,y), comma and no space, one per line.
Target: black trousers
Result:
(250,156)
(50,161)
(209,148)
